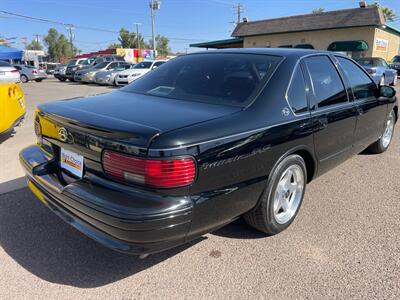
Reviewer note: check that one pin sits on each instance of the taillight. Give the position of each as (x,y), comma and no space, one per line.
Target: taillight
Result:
(160,173)
(34,71)
(371,71)
(14,71)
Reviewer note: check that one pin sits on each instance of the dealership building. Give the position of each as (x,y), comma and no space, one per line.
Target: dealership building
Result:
(358,32)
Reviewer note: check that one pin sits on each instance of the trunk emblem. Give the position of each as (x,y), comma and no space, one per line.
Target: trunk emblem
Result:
(65,136)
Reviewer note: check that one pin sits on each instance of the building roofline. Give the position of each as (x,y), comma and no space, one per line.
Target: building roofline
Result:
(236,31)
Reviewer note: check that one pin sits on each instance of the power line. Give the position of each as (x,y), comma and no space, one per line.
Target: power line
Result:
(65,24)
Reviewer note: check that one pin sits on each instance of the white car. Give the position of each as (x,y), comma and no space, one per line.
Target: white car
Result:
(127,76)
(8,73)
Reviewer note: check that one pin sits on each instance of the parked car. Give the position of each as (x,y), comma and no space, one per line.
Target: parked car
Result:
(74,65)
(30,73)
(87,75)
(396,64)
(379,70)
(203,140)
(108,77)
(59,72)
(12,106)
(8,73)
(127,76)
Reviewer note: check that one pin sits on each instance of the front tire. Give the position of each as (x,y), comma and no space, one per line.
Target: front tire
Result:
(384,141)
(282,198)
(38,80)
(24,78)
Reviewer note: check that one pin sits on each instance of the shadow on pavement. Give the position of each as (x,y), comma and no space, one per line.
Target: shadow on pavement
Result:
(52,250)
(239,230)
(6,135)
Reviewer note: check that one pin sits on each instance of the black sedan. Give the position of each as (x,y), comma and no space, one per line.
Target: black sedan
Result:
(203,140)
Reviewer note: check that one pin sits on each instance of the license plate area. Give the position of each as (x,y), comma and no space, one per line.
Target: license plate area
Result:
(71,162)
(2,73)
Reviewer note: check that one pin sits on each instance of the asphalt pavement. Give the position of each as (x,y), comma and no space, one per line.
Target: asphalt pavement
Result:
(344,243)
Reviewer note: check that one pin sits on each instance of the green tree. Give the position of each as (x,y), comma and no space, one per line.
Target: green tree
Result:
(388,13)
(128,39)
(58,46)
(114,46)
(34,45)
(162,45)
(318,10)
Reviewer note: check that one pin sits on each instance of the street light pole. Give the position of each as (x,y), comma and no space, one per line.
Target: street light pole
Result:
(154,5)
(152,24)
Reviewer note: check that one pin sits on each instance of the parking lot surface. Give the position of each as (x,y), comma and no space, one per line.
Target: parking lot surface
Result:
(344,244)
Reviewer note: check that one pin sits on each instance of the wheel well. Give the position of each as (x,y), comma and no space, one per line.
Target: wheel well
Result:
(396,112)
(310,163)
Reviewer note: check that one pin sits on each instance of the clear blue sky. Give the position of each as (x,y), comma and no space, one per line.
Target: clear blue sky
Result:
(183,21)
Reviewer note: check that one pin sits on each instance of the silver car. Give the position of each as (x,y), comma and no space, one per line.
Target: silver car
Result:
(87,75)
(108,77)
(29,73)
(8,73)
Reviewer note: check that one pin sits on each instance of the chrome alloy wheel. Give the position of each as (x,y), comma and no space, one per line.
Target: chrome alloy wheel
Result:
(288,194)
(387,135)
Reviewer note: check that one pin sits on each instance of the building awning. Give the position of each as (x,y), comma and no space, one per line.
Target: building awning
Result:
(348,46)
(8,53)
(304,46)
(220,44)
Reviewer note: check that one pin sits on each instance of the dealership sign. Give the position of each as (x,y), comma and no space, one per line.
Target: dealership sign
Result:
(381,45)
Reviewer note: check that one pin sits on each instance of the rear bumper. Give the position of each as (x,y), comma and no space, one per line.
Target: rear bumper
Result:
(133,221)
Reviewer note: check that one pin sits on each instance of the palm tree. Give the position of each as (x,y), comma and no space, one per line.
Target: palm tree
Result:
(388,13)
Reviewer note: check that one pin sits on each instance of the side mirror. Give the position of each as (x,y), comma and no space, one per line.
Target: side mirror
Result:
(154,67)
(387,91)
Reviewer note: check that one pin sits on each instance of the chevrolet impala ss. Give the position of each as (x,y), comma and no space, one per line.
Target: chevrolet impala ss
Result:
(202,140)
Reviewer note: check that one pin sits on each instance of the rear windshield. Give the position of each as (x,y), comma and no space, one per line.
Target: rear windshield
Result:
(4,64)
(218,78)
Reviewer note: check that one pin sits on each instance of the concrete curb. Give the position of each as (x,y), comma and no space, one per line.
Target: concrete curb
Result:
(12,185)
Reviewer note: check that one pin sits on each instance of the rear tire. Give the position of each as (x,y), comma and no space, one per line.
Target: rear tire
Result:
(62,79)
(24,78)
(38,80)
(384,141)
(282,198)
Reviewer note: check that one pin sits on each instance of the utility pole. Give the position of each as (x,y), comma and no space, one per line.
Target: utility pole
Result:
(37,38)
(154,5)
(137,34)
(70,27)
(238,10)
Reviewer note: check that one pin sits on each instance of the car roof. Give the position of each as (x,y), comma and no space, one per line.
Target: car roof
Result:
(298,52)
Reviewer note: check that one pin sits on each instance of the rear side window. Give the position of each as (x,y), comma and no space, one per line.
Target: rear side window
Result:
(327,86)
(296,94)
(361,85)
